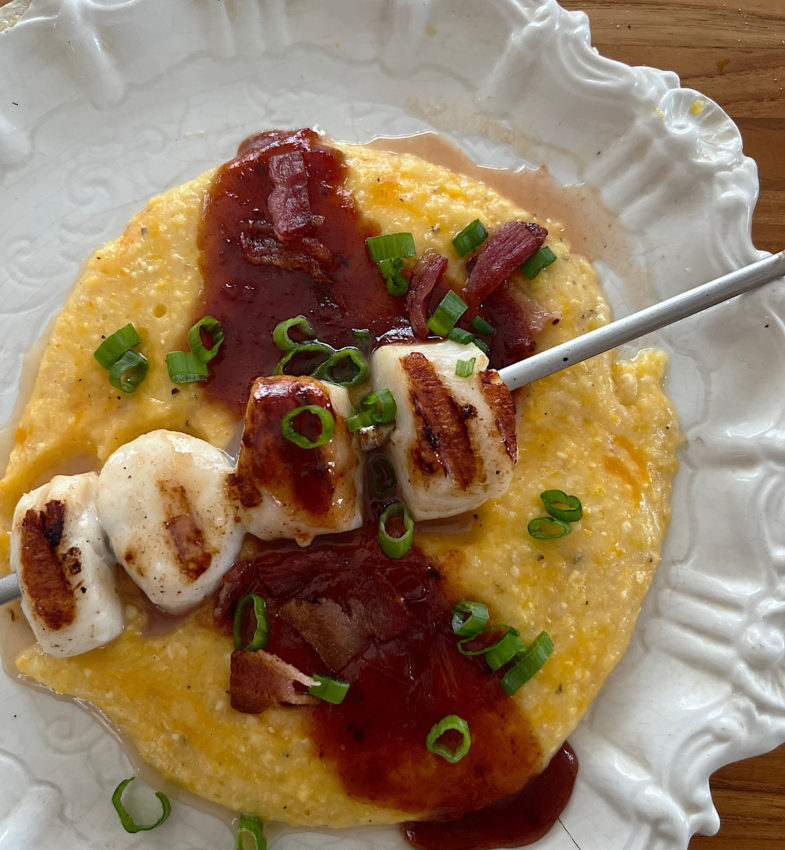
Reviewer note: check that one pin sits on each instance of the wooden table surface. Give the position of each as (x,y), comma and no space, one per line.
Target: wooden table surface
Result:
(733,52)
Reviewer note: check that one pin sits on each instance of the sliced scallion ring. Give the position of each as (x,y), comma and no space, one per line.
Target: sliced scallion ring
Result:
(469,618)
(396,547)
(527,664)
(363,419)
(329,689)
(392,272)
(326,420)
(381,406)
(481,326)
(483,346)
(465,368)
(461,336)
(306,348)
(128,371)
(390,246)
(452,722)
(537,262)
(361,333)
(262,628)
(254,829)
(127,820)
(115,345)
(548,528)
(560,505)
(444,317)
(185,367)
(212,327)
(484,650)
(281,332)
(472,236)
(348,358)
(382,475)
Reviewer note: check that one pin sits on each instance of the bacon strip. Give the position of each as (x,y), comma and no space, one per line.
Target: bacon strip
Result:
(259,680)
(336,637)
(442,438)
(504,251)
(260,247)
(288,202)
(518,321)
(427,273)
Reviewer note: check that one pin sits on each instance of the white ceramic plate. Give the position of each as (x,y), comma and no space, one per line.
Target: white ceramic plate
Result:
(107,102)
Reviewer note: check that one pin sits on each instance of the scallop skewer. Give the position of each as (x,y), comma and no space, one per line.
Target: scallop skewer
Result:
(603,339)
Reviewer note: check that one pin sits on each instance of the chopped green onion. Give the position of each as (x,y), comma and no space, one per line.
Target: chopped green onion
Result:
(128,371)
(548,528)
(185,367)
(363,419)
(361,333)
(450,309)
(259,639)
(281,332)
(527,664)
(469,618)
(560,505)
(465,368)
(470,237)
(390,246)
(537,262)
(460,335)
(483,346)
(505,630)
(252,827)
(447,724)
(392,272)
(115,345)
(306,348)
(381,406)
(127,820)
(382,474)
(357,363)
(396,547)
(211,326)
(481,326)
(326,419)
(504,650)
(328,689)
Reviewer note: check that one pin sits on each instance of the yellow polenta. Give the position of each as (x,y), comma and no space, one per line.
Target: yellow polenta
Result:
(602,430)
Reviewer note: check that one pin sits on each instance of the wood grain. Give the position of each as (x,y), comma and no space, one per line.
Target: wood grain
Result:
(735,54)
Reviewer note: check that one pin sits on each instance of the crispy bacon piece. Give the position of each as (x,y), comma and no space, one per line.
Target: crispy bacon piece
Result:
(427,273)
(518,320)
(336,637)
(378,606)
(504,251)
(260,247)
(442,436)
(288,202)
(259,680)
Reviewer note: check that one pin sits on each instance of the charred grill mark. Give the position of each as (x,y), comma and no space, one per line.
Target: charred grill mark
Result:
(443,439)
(500,402)
(188,542)
(43,574)
(72,561)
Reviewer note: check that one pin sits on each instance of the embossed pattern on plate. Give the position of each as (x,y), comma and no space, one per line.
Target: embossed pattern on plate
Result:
(108,102)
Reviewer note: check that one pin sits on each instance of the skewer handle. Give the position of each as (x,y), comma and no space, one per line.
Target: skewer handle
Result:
(9,588)
(644,321)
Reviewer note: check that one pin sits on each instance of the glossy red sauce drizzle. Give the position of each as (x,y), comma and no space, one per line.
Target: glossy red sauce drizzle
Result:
(408,673)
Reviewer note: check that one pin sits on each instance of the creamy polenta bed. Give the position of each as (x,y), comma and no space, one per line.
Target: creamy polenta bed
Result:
(275,514)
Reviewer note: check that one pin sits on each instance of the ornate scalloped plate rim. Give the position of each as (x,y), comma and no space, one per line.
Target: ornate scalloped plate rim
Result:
(701,135)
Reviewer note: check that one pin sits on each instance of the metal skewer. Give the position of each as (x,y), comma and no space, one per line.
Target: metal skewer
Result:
(643,322)
(603,339)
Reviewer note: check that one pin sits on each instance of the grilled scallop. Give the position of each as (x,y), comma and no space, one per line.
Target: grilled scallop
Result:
(66,571)
(454,442)
(163,503)
(289,491)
